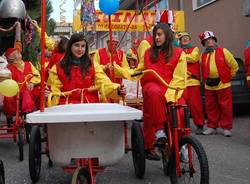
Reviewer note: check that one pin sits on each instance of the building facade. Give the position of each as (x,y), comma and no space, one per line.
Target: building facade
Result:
(228,19)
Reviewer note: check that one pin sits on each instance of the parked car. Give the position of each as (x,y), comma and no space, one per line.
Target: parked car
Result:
(240,91)
(241,94)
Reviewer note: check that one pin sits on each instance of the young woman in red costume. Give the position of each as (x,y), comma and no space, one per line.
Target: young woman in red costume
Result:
(76,70)
(170,64)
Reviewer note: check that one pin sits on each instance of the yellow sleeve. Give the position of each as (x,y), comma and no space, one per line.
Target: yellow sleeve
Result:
(36,79)
(55,84)
(50,43)
(144,45)
(232,63)
(179,80)
(97,59)
(194,56)
(102,82)
(123,71)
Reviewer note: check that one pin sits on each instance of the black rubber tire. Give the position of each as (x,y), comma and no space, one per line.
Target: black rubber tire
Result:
(20,142)
(27,132)
(35,156)
(2,176)
(165,162)
(203,167)
(81,176)
(50,163)
(138,152)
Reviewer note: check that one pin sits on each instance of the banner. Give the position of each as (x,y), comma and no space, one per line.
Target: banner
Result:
(122,18)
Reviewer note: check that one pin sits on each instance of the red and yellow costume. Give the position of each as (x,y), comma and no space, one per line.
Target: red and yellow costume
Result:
(192,93)
(95,76)
(221,64)
(28,98)
(156,95)
(103,58)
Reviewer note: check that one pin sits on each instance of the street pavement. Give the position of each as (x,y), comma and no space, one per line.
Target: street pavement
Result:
(229,162)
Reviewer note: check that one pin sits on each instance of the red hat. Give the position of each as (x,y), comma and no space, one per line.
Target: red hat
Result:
(168,17)
(205,35)
(9,51)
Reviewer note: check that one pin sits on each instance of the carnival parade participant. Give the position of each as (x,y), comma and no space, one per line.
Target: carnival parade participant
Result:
(76,70)
(28,77)
(192,93)
(170,64)
(218,67)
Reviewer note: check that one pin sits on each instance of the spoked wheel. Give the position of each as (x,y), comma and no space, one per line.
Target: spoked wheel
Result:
(35,154)
(2,178)
(195,170)
(81,176)
(138,152)
(165,161)
(20,143)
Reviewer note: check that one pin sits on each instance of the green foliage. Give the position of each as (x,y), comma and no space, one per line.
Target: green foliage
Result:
(33,8)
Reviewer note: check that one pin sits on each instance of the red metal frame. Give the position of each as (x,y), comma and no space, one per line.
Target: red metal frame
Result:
(91,164)
(174,135)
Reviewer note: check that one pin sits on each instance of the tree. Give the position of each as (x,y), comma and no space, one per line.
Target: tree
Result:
(33,7)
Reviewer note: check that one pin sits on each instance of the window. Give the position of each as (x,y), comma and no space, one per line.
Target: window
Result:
(201,3)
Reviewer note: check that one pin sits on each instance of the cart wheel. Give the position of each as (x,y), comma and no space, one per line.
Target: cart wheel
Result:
(165,162)
(2,179)
(50,163)
(20,143)
(35,154)
(138,152)
(27,132)
(81,176)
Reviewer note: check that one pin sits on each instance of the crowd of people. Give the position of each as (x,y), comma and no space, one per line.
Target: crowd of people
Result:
(70,66)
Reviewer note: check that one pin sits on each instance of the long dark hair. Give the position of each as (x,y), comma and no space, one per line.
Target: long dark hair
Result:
(85,60)
(167,47)
(62,45)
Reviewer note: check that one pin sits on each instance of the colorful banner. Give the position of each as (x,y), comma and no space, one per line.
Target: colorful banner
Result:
(122,18)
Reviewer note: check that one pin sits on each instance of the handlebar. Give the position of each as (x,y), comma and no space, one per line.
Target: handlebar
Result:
(68,93)
(160,79)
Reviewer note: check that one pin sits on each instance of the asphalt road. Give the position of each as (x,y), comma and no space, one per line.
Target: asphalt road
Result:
(229,162)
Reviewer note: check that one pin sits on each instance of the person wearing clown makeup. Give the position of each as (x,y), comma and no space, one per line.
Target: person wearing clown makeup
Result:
(218,67)
(26,73)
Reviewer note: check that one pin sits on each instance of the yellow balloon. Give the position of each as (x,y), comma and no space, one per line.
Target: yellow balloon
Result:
(9,88)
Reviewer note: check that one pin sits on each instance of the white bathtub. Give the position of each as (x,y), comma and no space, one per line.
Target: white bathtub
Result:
(85,131)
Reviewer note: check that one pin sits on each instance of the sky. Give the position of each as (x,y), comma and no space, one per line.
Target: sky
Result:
(68,7)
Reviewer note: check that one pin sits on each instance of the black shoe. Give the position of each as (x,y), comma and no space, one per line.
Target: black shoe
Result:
(160,142)
(199,130)
(151,155)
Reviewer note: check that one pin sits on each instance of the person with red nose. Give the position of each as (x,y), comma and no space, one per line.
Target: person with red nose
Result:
(192,93)
(218,67)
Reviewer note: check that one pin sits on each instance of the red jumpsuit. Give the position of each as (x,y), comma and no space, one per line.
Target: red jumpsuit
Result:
(219,64)
(154,93)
